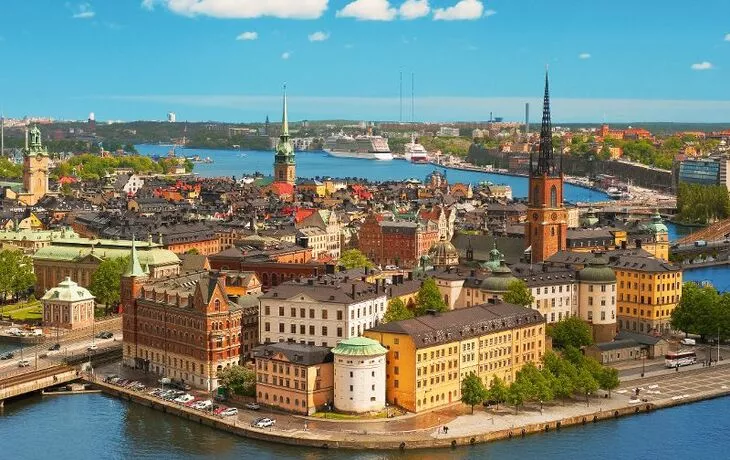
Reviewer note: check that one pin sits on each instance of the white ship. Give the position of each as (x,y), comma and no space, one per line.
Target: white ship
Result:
(366,147)
(415,152)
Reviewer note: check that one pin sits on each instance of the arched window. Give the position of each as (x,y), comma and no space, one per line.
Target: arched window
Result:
(553,197)
(217,305)
(274,279)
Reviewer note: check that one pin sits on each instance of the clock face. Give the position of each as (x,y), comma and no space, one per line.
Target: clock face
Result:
(555,216)
(534,216)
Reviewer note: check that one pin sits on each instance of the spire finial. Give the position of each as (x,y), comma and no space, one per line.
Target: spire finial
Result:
(546,160)
(285,117)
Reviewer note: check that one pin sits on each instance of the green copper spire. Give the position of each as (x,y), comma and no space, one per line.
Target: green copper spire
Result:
(284,149)
(35,146)
(134,268)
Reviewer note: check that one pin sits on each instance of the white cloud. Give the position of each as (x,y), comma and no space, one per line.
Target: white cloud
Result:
(414,9)
(83,11)
(584,56)
(244,9)
(463,10)
(319,36)
(727,37)
(248,36)
(368,10)
(286,55)
(489,13)
(704,65)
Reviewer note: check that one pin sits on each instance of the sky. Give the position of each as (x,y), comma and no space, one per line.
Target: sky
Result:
(227,60)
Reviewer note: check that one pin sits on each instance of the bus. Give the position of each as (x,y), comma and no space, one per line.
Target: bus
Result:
(680,358)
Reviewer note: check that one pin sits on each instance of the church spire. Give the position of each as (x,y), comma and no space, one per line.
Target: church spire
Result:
(285,118)
(134,268)
(546,158)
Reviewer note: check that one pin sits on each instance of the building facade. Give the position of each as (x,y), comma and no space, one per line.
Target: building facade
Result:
(399,243)
(359,375)
(68,306)
(284,164)
(428,357)
(36,163)
(597,298)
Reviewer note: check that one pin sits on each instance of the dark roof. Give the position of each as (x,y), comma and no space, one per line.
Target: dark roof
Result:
(617,345)
(511,248)
(325,290)
(430,330)
(192,262)
(618,259)
(297,353)
(643,339)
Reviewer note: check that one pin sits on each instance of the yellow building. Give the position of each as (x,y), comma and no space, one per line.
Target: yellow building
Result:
(649,289)
(429,356)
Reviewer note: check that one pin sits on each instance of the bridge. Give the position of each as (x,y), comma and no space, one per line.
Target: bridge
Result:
(37,380)
(720,230)
(710,253)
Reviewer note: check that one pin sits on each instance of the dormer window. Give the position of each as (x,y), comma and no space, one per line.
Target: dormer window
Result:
(217,305)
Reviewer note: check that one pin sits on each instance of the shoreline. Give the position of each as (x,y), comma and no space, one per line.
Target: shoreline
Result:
(417,439)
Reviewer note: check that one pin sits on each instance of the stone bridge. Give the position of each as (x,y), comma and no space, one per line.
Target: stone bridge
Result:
(33,381)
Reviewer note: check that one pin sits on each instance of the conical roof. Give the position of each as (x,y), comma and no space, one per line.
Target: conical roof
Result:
(134,268)
(359,346)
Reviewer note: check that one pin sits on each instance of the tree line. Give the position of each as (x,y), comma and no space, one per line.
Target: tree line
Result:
(702,310)
(702,204)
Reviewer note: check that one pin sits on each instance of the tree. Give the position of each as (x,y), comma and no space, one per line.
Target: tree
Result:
(516,394)
(192,251)
(429,298)
(585,383)
(608,379)
(239,380)
(519,294)
(16,273)
(497,391)
(564,374)
(699,311)
(354,258)
(106,281)
(397,311)
(473,391)
(571,331)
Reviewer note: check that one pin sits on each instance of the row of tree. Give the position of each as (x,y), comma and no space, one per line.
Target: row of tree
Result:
(702,204)
(16,274)
(93,167)
(703,311)
(560,378)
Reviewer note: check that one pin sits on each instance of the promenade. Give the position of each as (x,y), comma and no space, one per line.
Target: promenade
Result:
(658,390)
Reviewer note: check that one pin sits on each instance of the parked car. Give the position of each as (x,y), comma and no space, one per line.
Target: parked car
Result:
(8,355)
(263,422)
(228,412)
(253,406)
(92,348)
(54,347)
(24,363)
(104,335)
(186,398)
(688,341)
(204,405)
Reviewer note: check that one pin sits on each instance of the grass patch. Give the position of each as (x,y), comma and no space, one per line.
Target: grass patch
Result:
(339,416)
(32,313)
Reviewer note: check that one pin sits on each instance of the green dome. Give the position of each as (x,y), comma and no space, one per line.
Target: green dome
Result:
(500,279)
(359,346)
(597,271)
(495,259)
(443,253)
(657,225)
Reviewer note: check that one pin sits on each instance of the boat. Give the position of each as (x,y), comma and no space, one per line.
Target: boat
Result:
(70,389)
(366,146)
(415,152)
(614,193)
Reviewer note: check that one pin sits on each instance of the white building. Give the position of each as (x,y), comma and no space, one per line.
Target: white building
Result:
(448,131)
(359,375)
(171,117)
(597,298)
(321,311)
(68,306)
(322,232)
(134,183)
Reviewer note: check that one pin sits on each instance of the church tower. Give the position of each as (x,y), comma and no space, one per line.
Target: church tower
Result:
(131,286)
(546,228)
(35,169)
(284,166)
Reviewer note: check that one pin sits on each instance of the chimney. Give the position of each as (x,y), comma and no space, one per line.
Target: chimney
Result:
(383,283)
(377,287)
(353,290)
(624,244)
(366,270)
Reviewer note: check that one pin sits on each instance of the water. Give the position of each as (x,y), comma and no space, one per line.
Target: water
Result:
(103,427)
(678,231)
(718,276)
(319,164)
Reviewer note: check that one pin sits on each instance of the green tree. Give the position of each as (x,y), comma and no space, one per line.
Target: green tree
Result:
(106,281)
(517,394)
(396,311)
(16,273)
(608,379)
(585,384)
(519,294)
(564,374)
(497,391)
(192,251)
(700,311)
(354,258)
(429,298)
(571,331)
(239,380)
(473,391)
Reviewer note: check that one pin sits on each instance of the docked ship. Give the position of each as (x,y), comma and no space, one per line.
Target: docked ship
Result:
(415,152)
(367,147)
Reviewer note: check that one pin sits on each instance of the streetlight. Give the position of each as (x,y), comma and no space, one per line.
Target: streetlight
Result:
(643,361)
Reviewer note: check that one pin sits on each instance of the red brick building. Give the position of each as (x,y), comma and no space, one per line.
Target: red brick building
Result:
(399,243)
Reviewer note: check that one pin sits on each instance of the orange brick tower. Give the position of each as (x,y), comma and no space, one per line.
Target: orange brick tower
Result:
(546,228)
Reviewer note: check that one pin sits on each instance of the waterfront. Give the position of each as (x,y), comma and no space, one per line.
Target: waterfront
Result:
(318,164)
(101,425)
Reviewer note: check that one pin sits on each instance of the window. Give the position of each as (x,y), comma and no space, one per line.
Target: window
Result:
(281,327)
(311,330)
(339,332)
(267,327)
(339,315)
(324,314)
(324,330)
(281,311)
(553,197)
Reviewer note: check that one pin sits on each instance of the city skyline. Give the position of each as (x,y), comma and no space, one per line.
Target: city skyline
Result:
(225,61)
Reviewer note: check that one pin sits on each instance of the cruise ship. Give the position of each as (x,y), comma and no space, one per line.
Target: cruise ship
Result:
(415,152)
(367,147)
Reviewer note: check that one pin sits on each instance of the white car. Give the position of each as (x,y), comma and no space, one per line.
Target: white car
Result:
(92,348)
(229,412)
(203,405)
(23,363)
(184,399)
(688,341)
(264,423)
(253,406)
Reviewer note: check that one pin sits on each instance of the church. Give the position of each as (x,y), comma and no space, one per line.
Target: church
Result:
(36,163)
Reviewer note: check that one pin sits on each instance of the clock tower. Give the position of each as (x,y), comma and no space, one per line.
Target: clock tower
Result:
(546,227)
(284,164)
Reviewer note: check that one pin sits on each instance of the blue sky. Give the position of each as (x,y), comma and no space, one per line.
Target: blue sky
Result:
(623,60)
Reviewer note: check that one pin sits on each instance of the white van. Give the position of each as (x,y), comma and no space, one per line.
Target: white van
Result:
(688,341)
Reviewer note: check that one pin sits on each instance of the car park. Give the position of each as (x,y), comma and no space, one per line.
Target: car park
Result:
(186,398)
(253,406)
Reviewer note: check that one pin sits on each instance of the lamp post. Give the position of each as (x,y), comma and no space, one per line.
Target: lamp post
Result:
(643,361)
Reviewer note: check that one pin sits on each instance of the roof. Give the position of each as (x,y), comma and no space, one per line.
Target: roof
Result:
(359,346)
(150,254)
(597,271)
(325,290)
(68,291)
(297,353)
(430,330)
(643,339)
(616,345)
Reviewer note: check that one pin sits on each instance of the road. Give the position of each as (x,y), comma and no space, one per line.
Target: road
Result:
(703,351)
